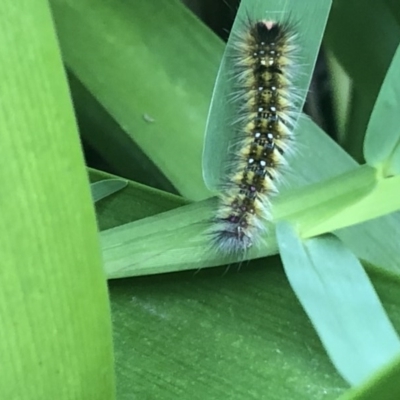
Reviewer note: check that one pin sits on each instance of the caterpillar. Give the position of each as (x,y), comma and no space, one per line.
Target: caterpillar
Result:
(265,54)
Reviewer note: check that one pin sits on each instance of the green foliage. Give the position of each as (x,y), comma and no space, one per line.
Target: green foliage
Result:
(382,141)
(144,72)
(364,37)
(55,326)
(102,189)
(333,288)
(219,133)
(383,386)
(141,75)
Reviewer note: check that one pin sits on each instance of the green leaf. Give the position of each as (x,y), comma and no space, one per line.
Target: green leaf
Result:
(243,326)
(382,141)
(313,207)
(312,15)
(178,240)
(136,201)
(55,325)
(102,133)
(354,197)
(364,37)
(218,335)
(340,301)
(236,334)
(105,188)
(395,161)
(341,96)
(384,385)
(171,241)
(151,65)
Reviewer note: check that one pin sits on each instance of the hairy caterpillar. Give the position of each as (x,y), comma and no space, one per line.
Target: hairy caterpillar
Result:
(265,54)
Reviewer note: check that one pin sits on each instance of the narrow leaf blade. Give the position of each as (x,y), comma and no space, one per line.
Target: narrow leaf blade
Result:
(383,133)
(55,325)
(219,133)
(340,301)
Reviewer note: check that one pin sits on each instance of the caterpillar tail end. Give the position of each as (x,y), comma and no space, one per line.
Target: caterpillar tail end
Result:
(232,240)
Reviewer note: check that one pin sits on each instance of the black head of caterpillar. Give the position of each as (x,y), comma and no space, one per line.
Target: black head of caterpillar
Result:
(264,62)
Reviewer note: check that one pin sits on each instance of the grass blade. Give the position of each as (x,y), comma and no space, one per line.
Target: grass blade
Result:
(340,301)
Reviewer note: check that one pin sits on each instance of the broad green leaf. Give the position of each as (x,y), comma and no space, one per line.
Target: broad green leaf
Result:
(340,301)
(224,334)
(102,189)
(151,65)
(218,334)
(219,132)
(382,141)
(100,131)
(55,325)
